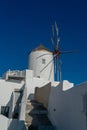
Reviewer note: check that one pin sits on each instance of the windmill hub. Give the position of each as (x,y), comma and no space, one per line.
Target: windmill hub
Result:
(56,53)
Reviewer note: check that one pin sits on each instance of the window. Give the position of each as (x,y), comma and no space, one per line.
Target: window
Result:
(43,61)
(5,110)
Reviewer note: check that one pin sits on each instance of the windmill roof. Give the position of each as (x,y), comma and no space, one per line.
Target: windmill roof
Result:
(41,47)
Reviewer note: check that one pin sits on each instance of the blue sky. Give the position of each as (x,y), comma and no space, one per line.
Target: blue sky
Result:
(24,24)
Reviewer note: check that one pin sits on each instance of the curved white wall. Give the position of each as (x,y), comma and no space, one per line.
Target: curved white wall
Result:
(3,122)
(36,64)
(67,109)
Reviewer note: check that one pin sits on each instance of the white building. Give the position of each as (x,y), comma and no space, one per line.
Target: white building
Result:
(66,104)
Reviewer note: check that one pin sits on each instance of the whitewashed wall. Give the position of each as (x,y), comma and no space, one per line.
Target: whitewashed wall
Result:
(3,122)
(32,82)
(66,109)
(35,64)
(6,89)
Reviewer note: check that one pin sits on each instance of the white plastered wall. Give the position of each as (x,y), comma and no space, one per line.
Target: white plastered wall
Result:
(66,109)
(6,89)
(3,122)
(32,82)
(35,64)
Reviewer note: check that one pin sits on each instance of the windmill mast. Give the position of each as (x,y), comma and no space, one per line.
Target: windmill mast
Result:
(55,42)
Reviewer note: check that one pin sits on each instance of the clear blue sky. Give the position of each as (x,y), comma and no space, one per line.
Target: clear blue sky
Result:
(24,24)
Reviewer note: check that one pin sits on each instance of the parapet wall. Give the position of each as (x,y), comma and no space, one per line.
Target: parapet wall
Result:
(42,94)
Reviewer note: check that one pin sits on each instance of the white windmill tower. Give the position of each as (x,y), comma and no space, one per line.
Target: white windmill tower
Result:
(41,62)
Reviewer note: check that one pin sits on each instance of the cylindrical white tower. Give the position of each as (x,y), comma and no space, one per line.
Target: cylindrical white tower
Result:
(42,63)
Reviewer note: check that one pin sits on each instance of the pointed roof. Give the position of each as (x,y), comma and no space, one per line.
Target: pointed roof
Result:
(41,47)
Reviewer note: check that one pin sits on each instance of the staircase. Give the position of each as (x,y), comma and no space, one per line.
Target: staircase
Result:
(36,117)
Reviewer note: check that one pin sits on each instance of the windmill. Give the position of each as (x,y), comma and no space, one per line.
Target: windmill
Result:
(55,40)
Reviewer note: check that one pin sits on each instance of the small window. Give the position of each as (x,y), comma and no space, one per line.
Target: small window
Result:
(43,61)
(5,110)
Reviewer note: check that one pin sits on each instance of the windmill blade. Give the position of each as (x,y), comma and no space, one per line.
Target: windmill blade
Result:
(52,38)
(43,55)
(48,63)
(52,41)
(59,67)
(56,27)
(58,41)
(53,31)
(55,65)
(58,74)
(56,70)
(64,52)
(51,71)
